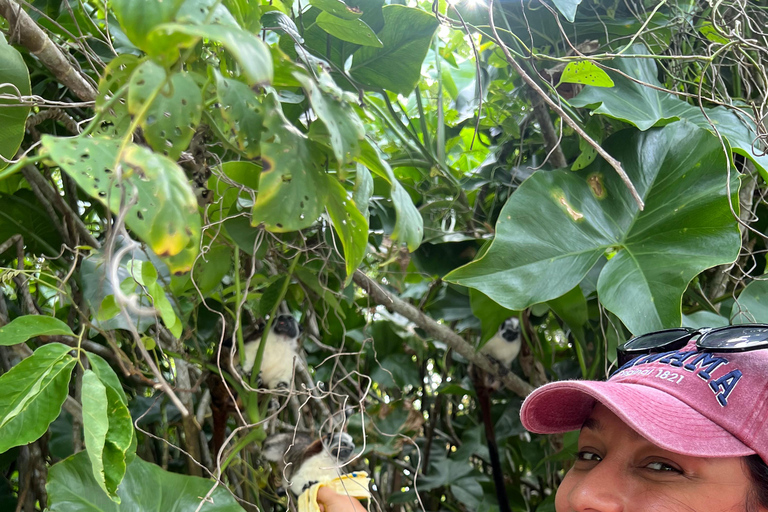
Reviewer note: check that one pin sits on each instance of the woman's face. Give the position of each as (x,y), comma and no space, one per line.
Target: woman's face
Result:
(618,470)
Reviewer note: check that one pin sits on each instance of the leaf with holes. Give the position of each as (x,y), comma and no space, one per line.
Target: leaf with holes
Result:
(291,186)
(170,107)
(348,222)
(33,392)
(15,81)
(343,126)
(250,52)
(165,212)
(585,72)
(115,119)
(352,31)
(686,227)
(242,112)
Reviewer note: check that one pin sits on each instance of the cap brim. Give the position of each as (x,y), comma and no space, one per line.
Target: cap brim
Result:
(659,417)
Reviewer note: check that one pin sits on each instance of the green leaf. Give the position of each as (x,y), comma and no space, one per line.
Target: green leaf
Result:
(344,128)
(12,119)
(115,120)
(396,67)
(165,214)
(711,33)
(337,8)
(409,227)
(250,52)
(197,12)
(349,223)
(291,187)
(572,309)
(312,281)
(164,307)
(33,392)
(106,375)
(363,191)
(752,304)
(22,328)
(645,107)
(108,309)
(23,214)
(686,227)
(146,487)
(567,8)
(95,426)
(169,121)
(350,30)
(243,114)
(211,268)
(585,72)
(271,296)
(490,313)
(139,17)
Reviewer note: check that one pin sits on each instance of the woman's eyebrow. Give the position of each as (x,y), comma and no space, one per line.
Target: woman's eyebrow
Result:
(592,424)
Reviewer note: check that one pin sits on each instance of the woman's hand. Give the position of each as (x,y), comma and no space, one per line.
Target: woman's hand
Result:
(331,501)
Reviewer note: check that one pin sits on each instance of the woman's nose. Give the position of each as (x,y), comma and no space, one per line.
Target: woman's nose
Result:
(600,489)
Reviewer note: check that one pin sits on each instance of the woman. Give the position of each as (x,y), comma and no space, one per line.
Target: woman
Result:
(681,426)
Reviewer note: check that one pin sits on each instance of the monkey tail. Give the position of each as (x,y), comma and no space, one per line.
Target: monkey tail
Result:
(484,398)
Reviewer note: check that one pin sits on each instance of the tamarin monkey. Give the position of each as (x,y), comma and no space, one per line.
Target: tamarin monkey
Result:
(277,364)
(503,347)
(304,461)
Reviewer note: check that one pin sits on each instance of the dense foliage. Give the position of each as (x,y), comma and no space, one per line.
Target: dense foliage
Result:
(399,177)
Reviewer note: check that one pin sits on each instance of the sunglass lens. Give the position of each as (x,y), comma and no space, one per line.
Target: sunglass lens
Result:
(658,340)
(735,338)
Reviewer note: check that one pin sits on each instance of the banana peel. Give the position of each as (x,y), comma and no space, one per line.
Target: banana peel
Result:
(354,485)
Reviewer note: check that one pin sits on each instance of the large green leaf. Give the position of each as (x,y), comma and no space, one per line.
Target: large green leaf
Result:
(250,52)
(139,17)
(24,327)
(291,187)
(752,304)
(396,66)
(165,214)
(12,119)
(409,227)
(169,121)
(337,8)
(343,126)
(72,488)
(557,224)
(645,107)
(33,392)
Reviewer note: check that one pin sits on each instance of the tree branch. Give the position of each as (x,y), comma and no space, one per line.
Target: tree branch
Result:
(25,31)
(440,332)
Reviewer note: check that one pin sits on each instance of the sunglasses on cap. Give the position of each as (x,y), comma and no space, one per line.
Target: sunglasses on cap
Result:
(733,338)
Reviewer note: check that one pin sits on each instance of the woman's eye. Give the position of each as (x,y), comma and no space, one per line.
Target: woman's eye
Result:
(663,466)
(588,456)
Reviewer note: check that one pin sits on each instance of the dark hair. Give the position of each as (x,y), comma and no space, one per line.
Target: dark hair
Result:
(758,473)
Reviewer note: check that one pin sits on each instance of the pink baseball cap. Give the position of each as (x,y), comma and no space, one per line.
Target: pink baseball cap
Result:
(703,404)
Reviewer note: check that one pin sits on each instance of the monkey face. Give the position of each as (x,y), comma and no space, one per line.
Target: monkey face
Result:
(287,326)
(339,445)
(510,329)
